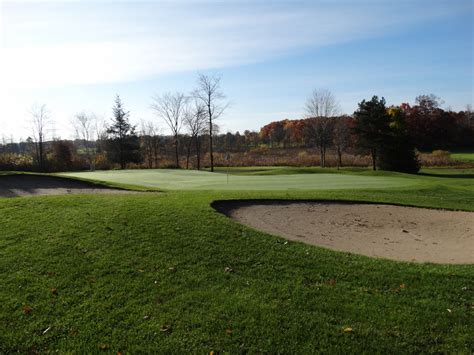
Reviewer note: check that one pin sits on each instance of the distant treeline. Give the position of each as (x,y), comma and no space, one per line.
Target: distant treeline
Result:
(327,139)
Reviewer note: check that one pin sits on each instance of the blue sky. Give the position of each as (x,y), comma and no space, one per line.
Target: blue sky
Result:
(76,55)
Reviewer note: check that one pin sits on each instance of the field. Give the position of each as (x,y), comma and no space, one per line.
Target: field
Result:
(164,272)
(464,156)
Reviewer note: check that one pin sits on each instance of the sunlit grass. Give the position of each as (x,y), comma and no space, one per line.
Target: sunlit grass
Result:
(165,273)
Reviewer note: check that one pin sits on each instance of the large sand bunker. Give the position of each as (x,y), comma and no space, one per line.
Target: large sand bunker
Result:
(31,185)
(385,231)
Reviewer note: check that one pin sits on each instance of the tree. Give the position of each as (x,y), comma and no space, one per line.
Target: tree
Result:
(172,109)
(320,108)
(209,93)
(371,125)
(85,125)
(430,126)
(397,153)
(428,103)
(62,155)
(123,145)
(40,124)
(195,122)
(150,141)
(341,136)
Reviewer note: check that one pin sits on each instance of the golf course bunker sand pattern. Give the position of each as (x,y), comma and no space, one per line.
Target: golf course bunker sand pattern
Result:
(32,185)
(375,230)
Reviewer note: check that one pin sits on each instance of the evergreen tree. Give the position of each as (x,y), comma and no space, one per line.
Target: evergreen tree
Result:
(371,125)
(123,145)
(397,152)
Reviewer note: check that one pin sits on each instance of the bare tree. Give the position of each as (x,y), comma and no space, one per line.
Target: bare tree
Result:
(320,108)
(470,116)
(40,122)
(428,103)
(341,137)
(209,93)
(172,108)
(85,127)
(150,141)
(100,134)
(195,122)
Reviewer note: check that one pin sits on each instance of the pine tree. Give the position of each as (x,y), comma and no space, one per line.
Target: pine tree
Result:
(371,125)
(398,151)
(123,143)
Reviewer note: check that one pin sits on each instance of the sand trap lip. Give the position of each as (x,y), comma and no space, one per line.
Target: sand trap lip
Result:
(375,230)
(34,185)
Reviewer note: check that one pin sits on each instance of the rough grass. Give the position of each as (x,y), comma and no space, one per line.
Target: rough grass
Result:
(166,273)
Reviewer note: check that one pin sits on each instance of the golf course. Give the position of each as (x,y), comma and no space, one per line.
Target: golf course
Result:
(162,268)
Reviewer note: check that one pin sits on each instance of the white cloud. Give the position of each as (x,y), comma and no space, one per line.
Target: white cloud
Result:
(69,44)
(61,44)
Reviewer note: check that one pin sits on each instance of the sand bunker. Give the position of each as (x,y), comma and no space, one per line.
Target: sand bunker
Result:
(385,231)
(30,185)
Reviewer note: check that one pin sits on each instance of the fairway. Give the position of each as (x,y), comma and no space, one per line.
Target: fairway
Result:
(167,273)
(202,180)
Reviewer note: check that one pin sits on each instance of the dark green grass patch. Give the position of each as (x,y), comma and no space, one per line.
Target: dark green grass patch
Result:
(166,273)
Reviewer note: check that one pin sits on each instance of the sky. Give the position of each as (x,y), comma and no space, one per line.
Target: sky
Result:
(75,56)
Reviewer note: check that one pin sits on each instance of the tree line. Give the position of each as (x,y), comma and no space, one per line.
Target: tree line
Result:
(391,136)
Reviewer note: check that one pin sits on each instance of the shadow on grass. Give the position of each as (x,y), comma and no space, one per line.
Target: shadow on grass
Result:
(452,176)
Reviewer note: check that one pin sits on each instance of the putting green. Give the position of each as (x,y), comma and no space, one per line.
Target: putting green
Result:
(202,180)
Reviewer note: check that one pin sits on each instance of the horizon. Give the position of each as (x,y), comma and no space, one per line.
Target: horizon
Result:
(75,57)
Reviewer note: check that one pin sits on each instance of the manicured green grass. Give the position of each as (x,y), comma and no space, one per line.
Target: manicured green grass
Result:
(147,274)
(463,156)
(278,180)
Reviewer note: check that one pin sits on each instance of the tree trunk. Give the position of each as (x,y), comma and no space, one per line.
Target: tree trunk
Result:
(374,157)
(339,158)
(41,160)
(198,153)
(324,156)
(210,135)
(188,152)
(321,155)
(122,159)
(176,150)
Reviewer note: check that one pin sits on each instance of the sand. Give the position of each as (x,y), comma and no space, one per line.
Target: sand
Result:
(375,230)
(33,185)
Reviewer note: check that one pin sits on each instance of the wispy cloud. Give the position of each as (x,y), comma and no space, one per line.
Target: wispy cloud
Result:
(67,43)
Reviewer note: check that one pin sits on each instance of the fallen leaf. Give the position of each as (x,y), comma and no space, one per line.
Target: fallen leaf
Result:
(228,331)
(27,309)
(228,269)
(54,291)
(103,346)
(348,330)
(403,286)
